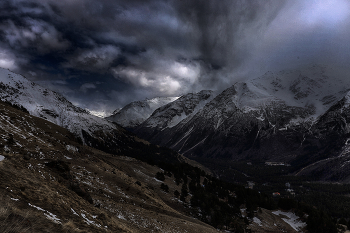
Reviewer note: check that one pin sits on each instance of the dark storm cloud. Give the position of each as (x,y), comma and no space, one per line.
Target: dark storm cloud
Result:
(225,32)
(220,28)
(104,54)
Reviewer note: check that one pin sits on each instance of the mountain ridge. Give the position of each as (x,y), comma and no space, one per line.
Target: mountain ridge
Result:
(137,112)
(50,105)
(274,117)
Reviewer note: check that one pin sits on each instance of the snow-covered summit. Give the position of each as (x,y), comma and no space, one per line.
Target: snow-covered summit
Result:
(315,85)
(257,117)
(137,112)
(184,107)
(50,105)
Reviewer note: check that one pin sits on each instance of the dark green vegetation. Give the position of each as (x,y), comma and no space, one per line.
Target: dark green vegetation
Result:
(218,201)
(65,186)
(207,198)
(211,200)
(127,144)
(330,198)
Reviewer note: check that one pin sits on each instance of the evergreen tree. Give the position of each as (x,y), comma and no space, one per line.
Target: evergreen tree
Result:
(184,192)
(160,176)
(164,187)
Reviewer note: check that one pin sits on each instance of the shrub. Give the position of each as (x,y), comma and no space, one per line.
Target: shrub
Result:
(160,176)
(164,187)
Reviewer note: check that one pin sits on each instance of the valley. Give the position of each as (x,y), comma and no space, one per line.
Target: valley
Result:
(79,173)
(174,116)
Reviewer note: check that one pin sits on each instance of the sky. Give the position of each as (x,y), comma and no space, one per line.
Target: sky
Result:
(101,55)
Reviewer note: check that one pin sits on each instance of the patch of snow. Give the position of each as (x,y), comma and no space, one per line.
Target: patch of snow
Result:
(2,158)
(218,123)
(197,144)
(52,217)
(89,222)
(186,135)
(293,220)
(157,180)
(101,114)
(121,217)
(48,214)
(72,148)
(75,213)
(257,221)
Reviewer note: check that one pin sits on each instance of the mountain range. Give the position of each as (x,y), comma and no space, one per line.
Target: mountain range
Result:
(52,181)
(292,116)
(75,172)
(136,112)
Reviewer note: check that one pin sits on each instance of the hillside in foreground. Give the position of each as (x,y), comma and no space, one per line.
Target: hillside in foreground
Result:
(51,183)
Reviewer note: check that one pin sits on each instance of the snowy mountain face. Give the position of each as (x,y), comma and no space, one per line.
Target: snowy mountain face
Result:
(276,117)
(176,112)
(51,106)
(317,86)
(234,118)
(137,112)
(332,133)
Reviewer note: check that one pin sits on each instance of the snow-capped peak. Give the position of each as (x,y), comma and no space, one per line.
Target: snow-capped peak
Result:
(316,85)
(137,112)
(171,114)
(47,104)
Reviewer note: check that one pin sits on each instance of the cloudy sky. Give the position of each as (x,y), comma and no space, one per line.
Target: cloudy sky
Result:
(104,54)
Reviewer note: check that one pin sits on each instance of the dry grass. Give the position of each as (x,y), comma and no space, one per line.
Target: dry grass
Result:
(126,196)
(70,227)
(16,220)
(12,219)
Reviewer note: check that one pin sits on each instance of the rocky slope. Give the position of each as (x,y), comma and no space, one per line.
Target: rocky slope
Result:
(51,183)
(331,131)
(52,106)
(47,104)
(64,186)
(170,115)
(137,112)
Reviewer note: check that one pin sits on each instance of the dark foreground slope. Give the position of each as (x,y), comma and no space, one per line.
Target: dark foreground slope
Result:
(51,183)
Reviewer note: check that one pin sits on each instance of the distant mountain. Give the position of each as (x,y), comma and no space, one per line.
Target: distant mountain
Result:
(276,117)
(175,112)
(116,111)
(137,112)
(69,187)
(52,183)
(331,144)
(316,86)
